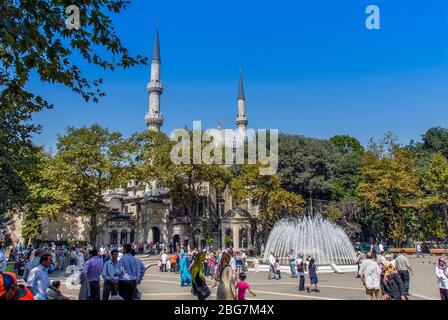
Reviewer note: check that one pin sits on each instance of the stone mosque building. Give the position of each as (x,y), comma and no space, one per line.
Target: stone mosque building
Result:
(145,212)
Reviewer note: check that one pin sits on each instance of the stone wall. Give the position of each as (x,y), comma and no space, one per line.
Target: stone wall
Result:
(14,228)
(67,227)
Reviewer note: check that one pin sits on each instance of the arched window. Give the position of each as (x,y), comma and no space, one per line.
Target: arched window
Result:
(124,237)
(176,240)
(228,238)
(197,238)
(243,238)
(114,237)
(155,235)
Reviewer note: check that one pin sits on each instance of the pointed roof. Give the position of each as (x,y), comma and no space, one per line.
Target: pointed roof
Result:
(156,50)
(241,88)
(237,213)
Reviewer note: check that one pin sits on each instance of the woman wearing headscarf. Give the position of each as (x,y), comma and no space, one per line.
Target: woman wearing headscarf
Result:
(185,278)
(301,272)
(226,277)
(199,287)
(391,285)
(312,273)
(442,278)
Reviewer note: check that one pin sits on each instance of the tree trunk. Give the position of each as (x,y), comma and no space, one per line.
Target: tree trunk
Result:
(93,228)
(191,214)
(190,236)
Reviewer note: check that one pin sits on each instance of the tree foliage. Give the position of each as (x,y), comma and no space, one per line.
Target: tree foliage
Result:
(34,39)
(434,184)
(306,166)
(187,183)
(320,169)
(274,201)
(89,161)
(389,184)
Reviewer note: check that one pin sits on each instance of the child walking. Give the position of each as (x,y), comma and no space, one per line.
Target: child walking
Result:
(277,269)
(242,286)
(256,264)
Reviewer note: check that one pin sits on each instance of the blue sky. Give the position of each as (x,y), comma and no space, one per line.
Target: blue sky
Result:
(310,67)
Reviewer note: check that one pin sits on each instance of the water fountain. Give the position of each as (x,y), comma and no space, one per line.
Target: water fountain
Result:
(310,235)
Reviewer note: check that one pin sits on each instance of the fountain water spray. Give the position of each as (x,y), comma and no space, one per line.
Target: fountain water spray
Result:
(325,241)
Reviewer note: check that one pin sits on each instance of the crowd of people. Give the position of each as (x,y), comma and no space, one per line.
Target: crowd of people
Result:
(120,270)
(298,267)
(226,269)
(389,278)
(384,277)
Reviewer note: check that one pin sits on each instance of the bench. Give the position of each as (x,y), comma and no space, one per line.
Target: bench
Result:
(438,251)
(406,250)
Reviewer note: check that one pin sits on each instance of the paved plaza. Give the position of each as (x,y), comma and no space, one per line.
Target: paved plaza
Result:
(165,285)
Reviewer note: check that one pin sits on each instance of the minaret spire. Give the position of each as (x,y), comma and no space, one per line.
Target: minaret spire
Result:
(240,87)
(241,118)
(154,118)
(156,50)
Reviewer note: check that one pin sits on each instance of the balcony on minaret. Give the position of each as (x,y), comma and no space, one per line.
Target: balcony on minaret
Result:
(153,118)
(154,86)
(241,119)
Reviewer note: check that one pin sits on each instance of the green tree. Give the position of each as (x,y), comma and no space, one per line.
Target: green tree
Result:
(187,183)
(307,166)
(347,167)
(389,186)
(48,194)
(18,159)
(320,169)
(347,144)
(274,201)
(436,140)
(34,38)
(434,184)
(89,161)
(333,213)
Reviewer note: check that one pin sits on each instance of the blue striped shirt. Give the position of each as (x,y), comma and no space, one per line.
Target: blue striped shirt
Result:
(110,271)
(130,268)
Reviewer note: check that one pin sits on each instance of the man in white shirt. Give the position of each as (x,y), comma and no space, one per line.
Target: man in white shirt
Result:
(38,280)
(80,259)
(419,251)
(292,263)
(381,247)
(243,256)
(382,257)
(164,261)
(232,262)
(442,278)
(370,273)
(102,252)
(272,271)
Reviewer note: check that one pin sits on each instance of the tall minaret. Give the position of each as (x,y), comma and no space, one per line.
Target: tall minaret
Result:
(154,118)
(241,118)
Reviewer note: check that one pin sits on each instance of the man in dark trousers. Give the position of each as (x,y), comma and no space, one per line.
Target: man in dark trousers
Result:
(404,267)
(93,269)
(131,273)
(110,276)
